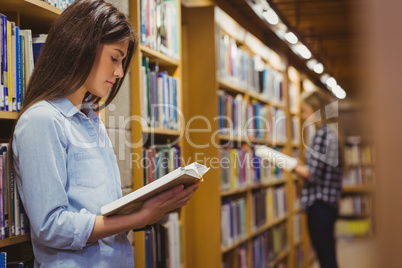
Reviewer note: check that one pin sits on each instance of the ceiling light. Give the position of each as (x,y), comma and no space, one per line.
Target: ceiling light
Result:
(271,16)
(339,92)
(331,82)
(303,51)
(311,63)
(324,78)
(318,68)
(291,38)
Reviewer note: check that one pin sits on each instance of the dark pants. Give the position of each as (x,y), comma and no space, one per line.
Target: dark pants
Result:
(321,224)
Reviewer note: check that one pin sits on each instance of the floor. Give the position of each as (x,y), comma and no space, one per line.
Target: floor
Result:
(354,254)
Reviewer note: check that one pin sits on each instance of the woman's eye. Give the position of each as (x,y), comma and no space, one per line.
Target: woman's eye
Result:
(114,59)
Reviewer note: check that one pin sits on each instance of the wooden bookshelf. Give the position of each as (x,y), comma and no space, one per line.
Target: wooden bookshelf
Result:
(159,135)
(27,14)
(14,240)
(8,115)
(203,82)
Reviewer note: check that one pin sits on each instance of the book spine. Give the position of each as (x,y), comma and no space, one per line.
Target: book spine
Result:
(17,70)
(5,62)
(12,96)
(1,65)
(22,68)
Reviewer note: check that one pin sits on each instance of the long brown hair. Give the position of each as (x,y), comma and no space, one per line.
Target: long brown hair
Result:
(68,54)
(320,101)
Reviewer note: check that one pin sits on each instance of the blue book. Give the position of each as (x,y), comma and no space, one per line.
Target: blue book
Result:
(5,64)
(1,65)
(18,69)
(38,41)
(3,259)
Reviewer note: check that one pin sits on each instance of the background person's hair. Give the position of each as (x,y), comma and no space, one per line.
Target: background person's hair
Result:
(320,101)
(68,54)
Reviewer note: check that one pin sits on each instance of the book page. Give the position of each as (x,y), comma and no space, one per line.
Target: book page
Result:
(277,158)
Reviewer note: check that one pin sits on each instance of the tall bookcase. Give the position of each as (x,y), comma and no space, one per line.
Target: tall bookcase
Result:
(143,133)
(357,214)
(37,16)
(204,30)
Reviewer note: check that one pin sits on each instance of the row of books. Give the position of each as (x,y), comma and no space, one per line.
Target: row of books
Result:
(297,229)
(359,175)
(236,258)
(240,167)
(157,162)
(352,228)
(159,22)
(267,246)
(13,220)
(357,154)
(252,120)
(159,97)
(162,243)
(62,4)
(293,97)
(233,221)
(267,205)
(299,257)
(355,205)
(238,66)
(295,130)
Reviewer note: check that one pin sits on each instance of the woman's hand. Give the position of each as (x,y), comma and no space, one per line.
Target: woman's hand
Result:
(301,169)
(154,208)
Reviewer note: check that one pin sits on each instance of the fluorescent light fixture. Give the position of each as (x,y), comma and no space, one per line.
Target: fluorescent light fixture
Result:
(318,68)
(331,82)
(311,63)
(291,38)
(339,92)
(303,51)
(271,16)
(324,78)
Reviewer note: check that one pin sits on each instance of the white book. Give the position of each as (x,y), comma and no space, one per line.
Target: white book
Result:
(183,175)
(277,158)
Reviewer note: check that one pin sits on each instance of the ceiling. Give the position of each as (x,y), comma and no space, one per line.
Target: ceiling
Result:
(326,27)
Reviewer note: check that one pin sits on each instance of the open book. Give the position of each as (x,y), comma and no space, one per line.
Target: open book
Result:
(183,175)
(277,158)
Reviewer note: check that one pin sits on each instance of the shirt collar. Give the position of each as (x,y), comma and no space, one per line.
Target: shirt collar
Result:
(65,106)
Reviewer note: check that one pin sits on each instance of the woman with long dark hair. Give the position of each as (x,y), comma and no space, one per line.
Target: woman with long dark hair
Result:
(64,163)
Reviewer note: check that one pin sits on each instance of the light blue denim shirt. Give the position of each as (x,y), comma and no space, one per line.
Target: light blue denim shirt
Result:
(66,171)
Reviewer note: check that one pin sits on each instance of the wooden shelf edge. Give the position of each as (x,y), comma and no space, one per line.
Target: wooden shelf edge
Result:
(227,85)
(163,59)
(14,240)
(235,191)
(45,6)
(9,115)
(234,245)
(161,131)
(280,257)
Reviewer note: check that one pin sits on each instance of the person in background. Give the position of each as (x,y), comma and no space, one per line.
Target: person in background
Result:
(63,159)
(322,174)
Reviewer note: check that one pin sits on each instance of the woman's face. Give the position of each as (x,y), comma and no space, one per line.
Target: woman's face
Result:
(306,111)
(107,68)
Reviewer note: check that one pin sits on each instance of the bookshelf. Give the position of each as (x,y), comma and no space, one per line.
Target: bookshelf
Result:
(144,133)
(357,215)
(206,30)
(37,16)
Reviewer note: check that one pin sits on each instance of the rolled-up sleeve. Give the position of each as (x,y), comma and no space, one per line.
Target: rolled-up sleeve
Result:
(40,159)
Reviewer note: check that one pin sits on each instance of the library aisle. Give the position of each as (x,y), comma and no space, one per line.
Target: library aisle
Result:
(359,253)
